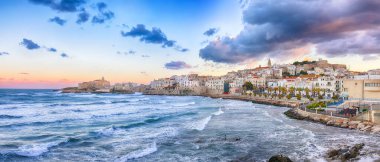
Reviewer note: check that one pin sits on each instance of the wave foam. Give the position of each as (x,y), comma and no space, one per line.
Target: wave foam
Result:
(139,153)
(200,125)
(184,104)
(107,131)
(219,112)
(36,149)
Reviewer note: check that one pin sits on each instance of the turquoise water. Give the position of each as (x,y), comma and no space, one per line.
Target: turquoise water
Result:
(42,125)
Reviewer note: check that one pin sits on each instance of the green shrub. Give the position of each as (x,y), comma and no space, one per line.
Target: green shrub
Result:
(316,105)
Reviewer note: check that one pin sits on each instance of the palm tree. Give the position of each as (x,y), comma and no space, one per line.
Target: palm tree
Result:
(307,90)
(275,90)
(292,90)
(299,90)
(283,90)
(270,90)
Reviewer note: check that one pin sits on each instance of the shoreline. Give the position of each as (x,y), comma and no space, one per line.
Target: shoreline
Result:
(290,104)
(293,113)
(296,113)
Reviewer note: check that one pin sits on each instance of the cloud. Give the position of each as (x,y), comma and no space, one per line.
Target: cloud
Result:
(154,36)
(24,73)
(61,5)
(370,58)
(130,52)
(210,32)
(4,53)
(144,73)
(104,15)
(273,28)
(64,55)
(83,17)
(177,65)
(52,49)
(145,56)
(29,44)
(58,20)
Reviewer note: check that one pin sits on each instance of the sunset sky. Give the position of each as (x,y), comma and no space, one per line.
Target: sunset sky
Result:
(58,43)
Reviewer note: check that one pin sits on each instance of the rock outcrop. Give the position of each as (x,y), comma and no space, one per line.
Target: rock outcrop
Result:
(294,115)
(345,153)
(279,158)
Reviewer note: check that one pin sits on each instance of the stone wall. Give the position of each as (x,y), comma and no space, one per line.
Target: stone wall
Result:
(350,123)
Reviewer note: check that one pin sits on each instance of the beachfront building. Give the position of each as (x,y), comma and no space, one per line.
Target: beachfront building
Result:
(100,84)
(162,83)
(362,87)
(328,84)
(215,85)
(129,86)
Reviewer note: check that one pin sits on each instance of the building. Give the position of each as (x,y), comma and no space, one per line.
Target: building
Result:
(129,86)
(374,72)
(99,84)
(162,83)
(361,88)
(329,84)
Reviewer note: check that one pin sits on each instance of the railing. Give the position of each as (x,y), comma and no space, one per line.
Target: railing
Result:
(336,112)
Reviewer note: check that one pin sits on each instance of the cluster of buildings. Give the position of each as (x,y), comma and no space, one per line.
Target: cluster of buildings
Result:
(104,86)
(332,79)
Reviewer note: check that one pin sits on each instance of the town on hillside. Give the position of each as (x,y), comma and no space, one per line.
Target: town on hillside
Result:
(302,81)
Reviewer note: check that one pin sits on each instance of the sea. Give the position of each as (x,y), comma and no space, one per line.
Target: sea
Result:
(47,125)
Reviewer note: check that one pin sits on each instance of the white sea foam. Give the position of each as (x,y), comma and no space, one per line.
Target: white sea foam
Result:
(107,131)
(162,101)
(219,112)
(36,149)
(183,104)
(139,153)
(201,124)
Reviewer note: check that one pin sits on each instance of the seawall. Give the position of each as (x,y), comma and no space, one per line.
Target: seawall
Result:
(348,123)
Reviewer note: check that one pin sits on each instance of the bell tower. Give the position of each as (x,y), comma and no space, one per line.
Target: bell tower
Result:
(269,63)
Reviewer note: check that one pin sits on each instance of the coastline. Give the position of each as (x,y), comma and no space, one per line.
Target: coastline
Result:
(265,101)
(338,122)
(295,112)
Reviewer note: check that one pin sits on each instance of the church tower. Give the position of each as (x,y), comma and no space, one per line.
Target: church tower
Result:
(269,63)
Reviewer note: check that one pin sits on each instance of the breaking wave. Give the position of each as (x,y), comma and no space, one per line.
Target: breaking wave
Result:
(139,153)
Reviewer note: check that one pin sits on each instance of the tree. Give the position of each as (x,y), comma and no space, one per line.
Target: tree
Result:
(247,86)
(285,74)
(298,96)
(292,90)
(307,90)
(270,89)
(275,90)
(303,72)
(299,90)
(335,97)
(283,90)
(289,96)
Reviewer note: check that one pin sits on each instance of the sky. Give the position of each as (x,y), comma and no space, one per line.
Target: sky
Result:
(58,43)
